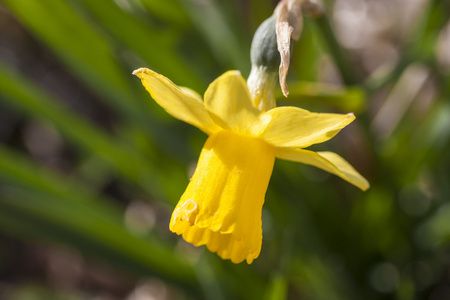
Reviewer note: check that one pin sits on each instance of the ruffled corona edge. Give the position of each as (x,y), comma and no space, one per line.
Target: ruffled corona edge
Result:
(224,244)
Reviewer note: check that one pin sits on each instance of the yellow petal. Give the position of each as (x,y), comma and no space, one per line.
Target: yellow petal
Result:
(181,103)
(328,161)
(221,207)
(298,128)
(228,101)
(191,92)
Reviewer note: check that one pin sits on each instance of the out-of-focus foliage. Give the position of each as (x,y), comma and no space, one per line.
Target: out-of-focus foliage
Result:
(90,167)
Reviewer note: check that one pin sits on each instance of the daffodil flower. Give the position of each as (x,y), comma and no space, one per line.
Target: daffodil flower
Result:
(221,207)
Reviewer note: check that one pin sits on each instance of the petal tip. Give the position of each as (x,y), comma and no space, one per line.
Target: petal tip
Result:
(139,72)
(365,186)
(350,117)
(234,73)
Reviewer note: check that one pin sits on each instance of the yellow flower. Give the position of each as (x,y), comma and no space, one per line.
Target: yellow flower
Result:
(221,207)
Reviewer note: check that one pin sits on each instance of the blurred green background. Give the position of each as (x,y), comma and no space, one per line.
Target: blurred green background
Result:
(91,167)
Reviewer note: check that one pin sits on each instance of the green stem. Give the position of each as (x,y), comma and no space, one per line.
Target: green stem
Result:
(335,49)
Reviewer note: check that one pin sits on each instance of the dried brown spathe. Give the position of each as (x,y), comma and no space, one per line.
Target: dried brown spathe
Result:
(289,25)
